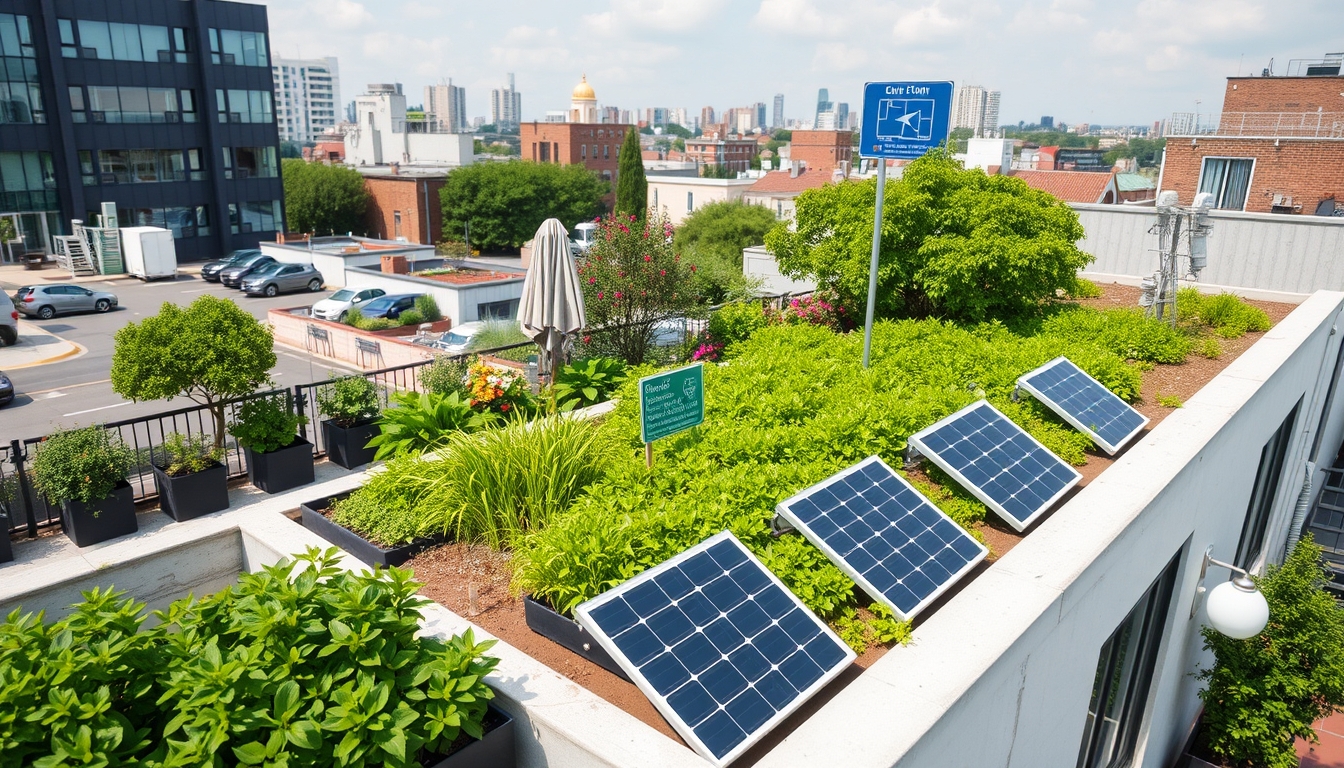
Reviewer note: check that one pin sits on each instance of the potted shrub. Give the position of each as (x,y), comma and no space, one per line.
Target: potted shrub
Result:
(190,478)
(351,407)
(84,471)
(277,458)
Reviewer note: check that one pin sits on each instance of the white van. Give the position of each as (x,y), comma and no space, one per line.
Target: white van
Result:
(585,234)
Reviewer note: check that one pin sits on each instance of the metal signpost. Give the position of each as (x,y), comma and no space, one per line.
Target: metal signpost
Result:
(900,120)
(670,402)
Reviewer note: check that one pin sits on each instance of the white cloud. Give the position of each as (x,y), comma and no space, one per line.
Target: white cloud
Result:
(661,16)
(795,17)
(343,14)
(927,26)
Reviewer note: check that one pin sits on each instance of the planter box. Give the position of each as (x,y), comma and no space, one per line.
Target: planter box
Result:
(345,445)
(282,469)
(114,516)
(493,750)
(363,549)
(438,326)
(200,493)
(567,632)
(6,547)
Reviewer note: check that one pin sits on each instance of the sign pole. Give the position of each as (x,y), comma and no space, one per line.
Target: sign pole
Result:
(648,455)
(872,266)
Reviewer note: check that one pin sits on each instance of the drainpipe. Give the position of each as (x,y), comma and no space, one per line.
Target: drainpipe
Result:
(1300,511)
(1304,498)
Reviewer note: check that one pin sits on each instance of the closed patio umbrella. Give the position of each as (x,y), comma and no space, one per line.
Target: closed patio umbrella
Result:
(552,303)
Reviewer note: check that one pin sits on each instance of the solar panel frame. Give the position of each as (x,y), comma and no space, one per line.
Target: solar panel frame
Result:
(1024,382)
(917,440)
(785,510)
(583,614)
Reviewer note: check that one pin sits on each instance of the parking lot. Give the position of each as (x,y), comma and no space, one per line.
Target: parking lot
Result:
(75,391)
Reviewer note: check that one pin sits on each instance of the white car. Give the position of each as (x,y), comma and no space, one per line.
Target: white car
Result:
(457,341)
(334,307)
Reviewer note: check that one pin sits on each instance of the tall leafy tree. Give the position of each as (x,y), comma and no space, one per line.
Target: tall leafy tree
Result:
(504,203)
(632,189)
(210,352)
(714,236)
(323,198)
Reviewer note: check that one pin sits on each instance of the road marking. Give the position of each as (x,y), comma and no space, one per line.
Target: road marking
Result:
(69,386)
(100,408)
(51,395)
(198,290)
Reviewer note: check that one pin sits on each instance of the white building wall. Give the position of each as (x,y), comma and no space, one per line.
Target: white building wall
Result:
(307,97)
(669,193)
(760,264)
(379,136)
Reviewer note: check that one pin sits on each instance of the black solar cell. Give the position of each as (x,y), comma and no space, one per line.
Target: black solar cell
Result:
(1083,402)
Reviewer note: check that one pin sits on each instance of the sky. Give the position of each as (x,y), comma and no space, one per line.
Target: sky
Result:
(1100,62)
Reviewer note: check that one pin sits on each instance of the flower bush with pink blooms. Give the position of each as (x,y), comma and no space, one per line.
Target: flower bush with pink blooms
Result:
(633,279)
(821,308)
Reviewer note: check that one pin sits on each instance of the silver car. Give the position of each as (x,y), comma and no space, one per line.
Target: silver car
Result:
(9,321)
(282,278)
(48,301)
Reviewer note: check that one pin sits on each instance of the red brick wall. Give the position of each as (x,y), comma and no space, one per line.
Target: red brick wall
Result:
(407,194)
(572,143)
(823,150)
(1307,169)
(1284,94)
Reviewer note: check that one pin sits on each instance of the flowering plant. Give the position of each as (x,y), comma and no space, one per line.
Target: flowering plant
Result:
(820,308)
(496,389)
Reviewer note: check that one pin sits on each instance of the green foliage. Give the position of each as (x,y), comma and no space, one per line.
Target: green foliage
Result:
(736,322)
(1227,314)
(209,352)
(499,333)
(632,189)
(188,454)
(81,465)
(1124,331)
(1209,348)
(1169,401)
(445,376)
(711,171)
(1083,289)
(410,317)
(955,243)
(587,382)
(323,199)
(326,669)
(428,308)
(7,232)
(266,424)
(714,236)
(505,203)
(383,510)
(349,400)
(423,421)
(358,320)
(1264,692)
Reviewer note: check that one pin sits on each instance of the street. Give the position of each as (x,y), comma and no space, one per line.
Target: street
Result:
(76,391)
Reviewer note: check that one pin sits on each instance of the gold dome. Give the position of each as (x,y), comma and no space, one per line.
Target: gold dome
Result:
(584,91)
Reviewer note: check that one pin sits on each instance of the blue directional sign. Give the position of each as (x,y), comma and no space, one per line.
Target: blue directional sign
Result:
(904,119)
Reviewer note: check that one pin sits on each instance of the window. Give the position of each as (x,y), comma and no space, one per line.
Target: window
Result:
(77,113)
(117,42)
(109,104)
(137,166)
(235,106)
(181,45)
(583,152)
(1229,179)
(27,182)
(231,46)
(187,99)
(606,151)
(255,216)
(228,162)
(67,30)
(194,165)
(87,173)
(1124,672)
(396,225)
(250,162)
(690,201)
(1262,493)
(20,92)
(498,310)
(182,221)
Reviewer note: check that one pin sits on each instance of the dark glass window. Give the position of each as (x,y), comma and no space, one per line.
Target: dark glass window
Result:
(1262,493)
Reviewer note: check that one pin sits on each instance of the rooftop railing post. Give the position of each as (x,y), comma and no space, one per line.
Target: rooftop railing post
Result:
(299,408)
(25,491)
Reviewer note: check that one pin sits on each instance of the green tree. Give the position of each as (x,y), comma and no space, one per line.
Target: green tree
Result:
(956,244)
(1264,692)
(323,198)
(209,352)
(781,134)
(713,237)
(504,203)
(632,189)
(681,132)
(290,149)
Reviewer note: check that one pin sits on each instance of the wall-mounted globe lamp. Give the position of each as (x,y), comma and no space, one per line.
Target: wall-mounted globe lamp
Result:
(1236,608)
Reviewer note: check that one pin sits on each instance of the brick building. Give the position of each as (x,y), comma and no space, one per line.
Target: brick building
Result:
(405,205)
(733,154)
(1278,146)
(822,150)
(596,146)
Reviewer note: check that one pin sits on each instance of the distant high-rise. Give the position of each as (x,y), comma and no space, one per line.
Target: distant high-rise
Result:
(841,116)
(506,106)
(306,94)
(990,124)
(446,107)
(823,106)
(777,116)
(976,109)
(759,109)
(1047,122)
(706,117)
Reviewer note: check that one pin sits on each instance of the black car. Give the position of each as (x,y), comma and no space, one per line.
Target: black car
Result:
(210,271)
(232,276)
(390,306)
(6,389)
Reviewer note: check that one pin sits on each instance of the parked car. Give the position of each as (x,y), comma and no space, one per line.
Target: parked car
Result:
(9,320)
(458,340)
(337,304)
(278,278)
(211,269)
(390,306)
(47,301)
(6,389)
(232,276)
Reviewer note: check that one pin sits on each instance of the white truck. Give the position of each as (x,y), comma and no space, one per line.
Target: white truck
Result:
(584,235)
(149,252)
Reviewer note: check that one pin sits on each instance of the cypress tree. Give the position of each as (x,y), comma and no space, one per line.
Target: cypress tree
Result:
(632,190)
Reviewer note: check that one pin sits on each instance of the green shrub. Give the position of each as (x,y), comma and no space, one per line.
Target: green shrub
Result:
(349,400)
(499,333)
(320,666)
(1169,401)
(1126,332)
(422,421)
(410,317)
(1083,288)
(188,454)
(82,465)
(588,382)
(1264,692)
(1209,348)
(266,424)
(1226,314)
(735,322)
(356,320)
(428,308)
(383,510)
(445,375)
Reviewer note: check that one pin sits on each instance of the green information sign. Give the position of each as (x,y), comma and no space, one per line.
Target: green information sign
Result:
(672,401)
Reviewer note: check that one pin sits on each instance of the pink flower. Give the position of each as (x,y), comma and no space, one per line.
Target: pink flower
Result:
(587,339)
(692,267)
(599,294)
(633,217)
(592,280)
(662,273)
(648,257)
(618,295)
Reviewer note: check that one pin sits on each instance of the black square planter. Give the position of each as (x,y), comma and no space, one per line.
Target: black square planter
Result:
(569,633)
(494,749)
(6,547)
(281,469)
(183,497)
(345,445)
(363,549)
(114,516)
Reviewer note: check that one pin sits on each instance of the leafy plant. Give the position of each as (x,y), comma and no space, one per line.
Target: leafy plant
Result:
(410,317)
(632,190)
(266,424)
(504,203)
(1083,289)
(1209,348)
(422,421)
(1169,401)
(445,375)
(498,333)
(736,322)
(428,308)
(1126,332)
(188,454)
(82,465)
(497,389)
(587,382)
(323,199)
(349,400)
(1227,314)
(1264,692)
(385,509)
(358,320)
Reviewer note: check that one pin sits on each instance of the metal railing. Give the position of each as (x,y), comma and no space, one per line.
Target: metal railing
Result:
(1300,125)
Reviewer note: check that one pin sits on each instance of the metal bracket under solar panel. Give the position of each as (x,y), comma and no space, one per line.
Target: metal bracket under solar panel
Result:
(1024,386)
(780,526)
(913,458)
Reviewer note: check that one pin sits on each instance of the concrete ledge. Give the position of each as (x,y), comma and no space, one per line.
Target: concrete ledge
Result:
(1246,293)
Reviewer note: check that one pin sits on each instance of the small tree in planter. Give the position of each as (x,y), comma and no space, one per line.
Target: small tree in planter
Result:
(351,407)
(84,471)
(277,458)
(191,480)
(1264,692)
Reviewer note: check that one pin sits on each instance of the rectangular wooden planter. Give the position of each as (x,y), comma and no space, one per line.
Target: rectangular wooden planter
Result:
(184,497)
(567,632)
(346,445)
(281,469)
(363,549)
(495,749)
(88,524)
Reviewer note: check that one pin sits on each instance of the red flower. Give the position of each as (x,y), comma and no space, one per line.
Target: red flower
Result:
(504,407)
(587,339)
(692,267)
(599,294)
(648,257)
(632,217)
(592,280)
(618,295)
(662,273)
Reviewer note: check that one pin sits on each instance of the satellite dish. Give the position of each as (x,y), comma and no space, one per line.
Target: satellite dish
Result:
(1204,200)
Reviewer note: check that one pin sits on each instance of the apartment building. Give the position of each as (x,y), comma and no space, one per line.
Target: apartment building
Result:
(307,92)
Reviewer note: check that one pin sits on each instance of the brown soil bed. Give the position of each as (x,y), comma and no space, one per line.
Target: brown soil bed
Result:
(469,276)
(452,572)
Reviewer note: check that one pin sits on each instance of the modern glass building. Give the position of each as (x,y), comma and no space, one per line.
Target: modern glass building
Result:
(162,107)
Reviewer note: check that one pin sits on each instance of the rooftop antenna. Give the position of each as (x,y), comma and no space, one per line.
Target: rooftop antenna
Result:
(1176,226)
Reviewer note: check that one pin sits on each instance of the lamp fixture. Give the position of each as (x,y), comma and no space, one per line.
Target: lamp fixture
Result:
(1236,608)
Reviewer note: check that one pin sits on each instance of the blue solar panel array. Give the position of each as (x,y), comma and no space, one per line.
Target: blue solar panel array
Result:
(998,462)
(1083,402)
(879,530)
(717,643)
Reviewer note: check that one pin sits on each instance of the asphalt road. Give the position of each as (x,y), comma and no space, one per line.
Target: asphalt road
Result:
(76,391)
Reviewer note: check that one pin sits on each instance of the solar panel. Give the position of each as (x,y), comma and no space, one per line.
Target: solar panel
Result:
(723,650)
(998,462)
(887,537)
(1083,402)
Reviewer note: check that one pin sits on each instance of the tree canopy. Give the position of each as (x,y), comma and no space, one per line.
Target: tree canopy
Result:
(504,203)
(713,237)
(955,243)
(632,189)
(322,198)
